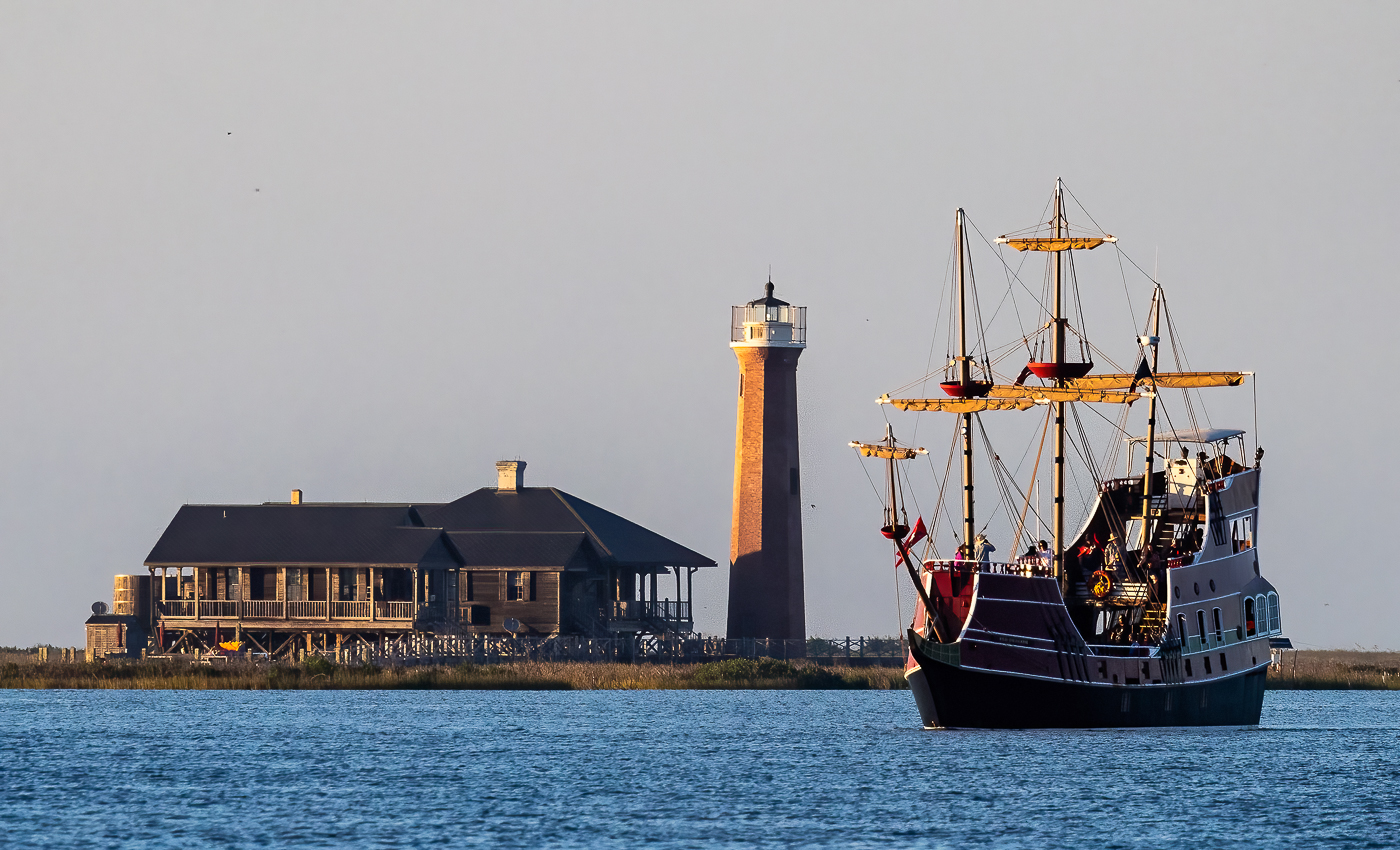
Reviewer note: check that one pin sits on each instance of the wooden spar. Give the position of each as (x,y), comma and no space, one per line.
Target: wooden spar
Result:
(930,613)
(1057,337)
(964,378)
(1152,340)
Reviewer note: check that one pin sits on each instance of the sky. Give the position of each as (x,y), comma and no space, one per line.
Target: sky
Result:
(367,250)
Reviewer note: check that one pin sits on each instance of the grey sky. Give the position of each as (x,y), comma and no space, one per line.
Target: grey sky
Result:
(369,249)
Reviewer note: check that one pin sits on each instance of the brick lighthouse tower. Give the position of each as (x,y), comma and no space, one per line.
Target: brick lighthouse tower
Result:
(765,548)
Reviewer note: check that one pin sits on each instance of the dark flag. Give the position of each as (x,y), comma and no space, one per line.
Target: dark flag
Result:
(1143,373)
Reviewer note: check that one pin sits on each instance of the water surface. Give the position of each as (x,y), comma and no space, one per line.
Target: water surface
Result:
(149,769)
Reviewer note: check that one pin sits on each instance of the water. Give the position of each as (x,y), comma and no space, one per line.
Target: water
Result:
(119,769)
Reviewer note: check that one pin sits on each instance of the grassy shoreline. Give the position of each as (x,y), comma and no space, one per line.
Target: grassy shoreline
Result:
(1301,670)
(320,675)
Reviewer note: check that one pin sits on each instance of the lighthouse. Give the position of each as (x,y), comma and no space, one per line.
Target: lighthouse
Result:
(765,546)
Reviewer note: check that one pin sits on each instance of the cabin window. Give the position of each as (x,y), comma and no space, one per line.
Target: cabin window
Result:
(1274,624)
(1224,668)
(1205,659)
(1242,533)
(520,587)
(1249,627)
(1215,614)
(1181,626)
(1188,667)
(1201,626)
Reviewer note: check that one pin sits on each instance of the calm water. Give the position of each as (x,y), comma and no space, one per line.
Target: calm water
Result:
(685,769)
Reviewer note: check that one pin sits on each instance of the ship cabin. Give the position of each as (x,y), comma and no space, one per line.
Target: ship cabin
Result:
(1197,576)
(508,560)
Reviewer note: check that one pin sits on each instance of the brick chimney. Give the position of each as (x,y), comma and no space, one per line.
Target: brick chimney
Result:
(510,474)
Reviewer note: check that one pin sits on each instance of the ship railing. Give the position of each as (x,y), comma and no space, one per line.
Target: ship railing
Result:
(1116,651)
(1025,567)
(1226,637)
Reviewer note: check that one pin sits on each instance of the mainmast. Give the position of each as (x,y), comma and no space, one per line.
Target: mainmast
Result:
(1057,342)
(1151,340)
(964,375)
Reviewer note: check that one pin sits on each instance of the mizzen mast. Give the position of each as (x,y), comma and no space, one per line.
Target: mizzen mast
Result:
(1151,340)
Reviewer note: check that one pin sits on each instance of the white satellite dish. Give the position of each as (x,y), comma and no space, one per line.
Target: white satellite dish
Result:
(512,625)
(99,608)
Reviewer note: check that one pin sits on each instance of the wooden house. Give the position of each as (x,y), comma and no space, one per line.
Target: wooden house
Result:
(508,559)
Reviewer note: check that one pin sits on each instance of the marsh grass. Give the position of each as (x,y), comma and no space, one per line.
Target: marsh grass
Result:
(320,674)
(1333,669)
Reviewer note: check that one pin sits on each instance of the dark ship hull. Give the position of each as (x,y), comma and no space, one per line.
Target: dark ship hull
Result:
(954,696)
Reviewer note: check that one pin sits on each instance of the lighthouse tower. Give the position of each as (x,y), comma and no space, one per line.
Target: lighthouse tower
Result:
(765,545)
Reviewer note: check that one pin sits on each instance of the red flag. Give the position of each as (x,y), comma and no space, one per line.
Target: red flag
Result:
(917,533)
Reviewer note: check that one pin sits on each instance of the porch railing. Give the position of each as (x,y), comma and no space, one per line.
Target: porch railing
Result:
(218,608)
(262,609)
(175,607)
(663,610)
(350,610)
(299,609)
(307,609)
(398,611)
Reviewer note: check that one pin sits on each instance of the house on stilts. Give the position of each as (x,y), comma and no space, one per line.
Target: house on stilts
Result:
(282,578)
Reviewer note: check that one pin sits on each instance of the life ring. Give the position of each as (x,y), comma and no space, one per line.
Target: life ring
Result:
(1100,584)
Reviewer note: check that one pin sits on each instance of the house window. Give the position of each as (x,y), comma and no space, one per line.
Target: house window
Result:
(452,586)
(520,587)
(468,588)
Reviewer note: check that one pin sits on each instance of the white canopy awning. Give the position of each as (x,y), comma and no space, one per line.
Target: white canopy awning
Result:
(1195,435)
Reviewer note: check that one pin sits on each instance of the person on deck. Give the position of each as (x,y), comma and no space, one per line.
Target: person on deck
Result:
(984,549)
(1045,556)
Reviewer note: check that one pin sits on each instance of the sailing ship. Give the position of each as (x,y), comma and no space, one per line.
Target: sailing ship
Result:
(1154,611)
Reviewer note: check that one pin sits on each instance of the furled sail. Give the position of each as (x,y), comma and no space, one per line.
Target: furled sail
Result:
(1065,243)
(887,452)
(1073,393)
(959,405)
(1164,380)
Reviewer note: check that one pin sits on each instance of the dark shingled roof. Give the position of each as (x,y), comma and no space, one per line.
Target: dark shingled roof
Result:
(296,534)
(615,539)
(529,527)
(518,549)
